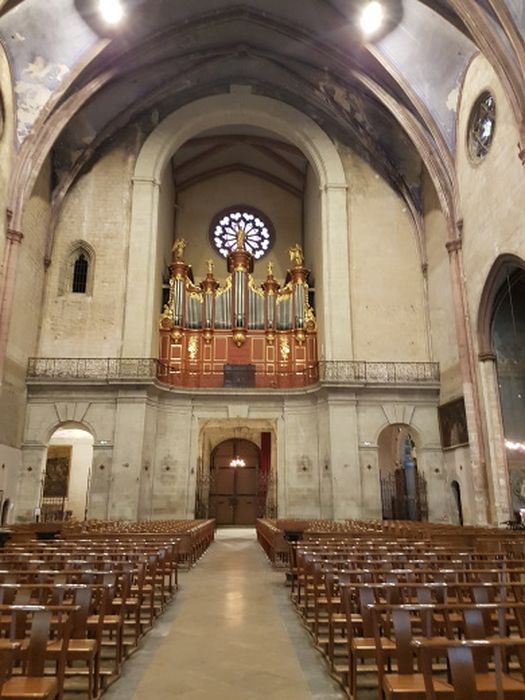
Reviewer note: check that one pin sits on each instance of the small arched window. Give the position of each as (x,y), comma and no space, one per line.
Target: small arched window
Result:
(80,274)
(77,273)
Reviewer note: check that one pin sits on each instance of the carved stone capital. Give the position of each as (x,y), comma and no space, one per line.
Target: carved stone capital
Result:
(487,357)
(14,236)
(454,245)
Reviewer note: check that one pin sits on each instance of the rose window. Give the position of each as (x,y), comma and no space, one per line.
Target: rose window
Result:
(257,229)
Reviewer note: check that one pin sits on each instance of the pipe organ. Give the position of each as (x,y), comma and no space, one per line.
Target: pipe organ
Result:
(238,333)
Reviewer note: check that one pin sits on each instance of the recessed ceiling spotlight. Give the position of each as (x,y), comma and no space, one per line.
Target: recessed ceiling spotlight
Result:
(111,10)
(372,17)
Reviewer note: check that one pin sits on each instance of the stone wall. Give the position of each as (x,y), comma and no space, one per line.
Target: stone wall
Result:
(151,443)
(97,211)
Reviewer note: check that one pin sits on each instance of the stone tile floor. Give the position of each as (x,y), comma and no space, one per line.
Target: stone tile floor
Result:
(231,634)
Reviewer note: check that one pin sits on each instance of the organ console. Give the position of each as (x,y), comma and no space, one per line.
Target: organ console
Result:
(237,333)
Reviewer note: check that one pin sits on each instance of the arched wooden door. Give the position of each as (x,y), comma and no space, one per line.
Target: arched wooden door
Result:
(233,489)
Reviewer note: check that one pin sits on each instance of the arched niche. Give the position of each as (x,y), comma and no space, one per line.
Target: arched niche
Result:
(145,253)
(403,489)
(67,472)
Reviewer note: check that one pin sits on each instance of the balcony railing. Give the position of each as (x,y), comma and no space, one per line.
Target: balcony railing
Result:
(92,368)
(360,372)
(352,372)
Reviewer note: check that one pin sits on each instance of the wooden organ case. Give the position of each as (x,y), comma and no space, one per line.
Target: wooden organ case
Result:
(238,334)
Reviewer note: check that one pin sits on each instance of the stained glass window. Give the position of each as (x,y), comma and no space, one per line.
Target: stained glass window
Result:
(482,124)
(257,228)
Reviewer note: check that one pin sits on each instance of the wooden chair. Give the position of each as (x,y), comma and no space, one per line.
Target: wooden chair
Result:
(33,684)
(79,646)
(405,683)
(465,658)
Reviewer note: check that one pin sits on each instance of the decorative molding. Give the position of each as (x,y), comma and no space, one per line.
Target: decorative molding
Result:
(487,357)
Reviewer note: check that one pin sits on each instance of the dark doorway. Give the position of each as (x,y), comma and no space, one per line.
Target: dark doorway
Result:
(234,473)
(456,491)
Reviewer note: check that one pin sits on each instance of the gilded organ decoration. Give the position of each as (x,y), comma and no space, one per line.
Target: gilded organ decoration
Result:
(237,322)
(285,349)
(178,248)
(193,347)
(296,255)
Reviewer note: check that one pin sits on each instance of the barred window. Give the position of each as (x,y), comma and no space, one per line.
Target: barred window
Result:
(80,275)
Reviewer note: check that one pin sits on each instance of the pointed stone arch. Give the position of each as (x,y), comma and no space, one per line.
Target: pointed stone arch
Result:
(488,298)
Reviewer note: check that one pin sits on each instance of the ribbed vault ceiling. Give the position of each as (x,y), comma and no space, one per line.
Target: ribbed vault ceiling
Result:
(392,100)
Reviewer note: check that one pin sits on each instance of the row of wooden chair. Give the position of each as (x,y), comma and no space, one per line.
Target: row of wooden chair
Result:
(78,607)
(422,618)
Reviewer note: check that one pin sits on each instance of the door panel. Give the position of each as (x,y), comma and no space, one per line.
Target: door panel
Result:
(233,490)
(224,481)
(224,510)
(245,510)
(246,480)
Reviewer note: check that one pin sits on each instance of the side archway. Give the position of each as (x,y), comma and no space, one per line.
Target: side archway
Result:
(501,333)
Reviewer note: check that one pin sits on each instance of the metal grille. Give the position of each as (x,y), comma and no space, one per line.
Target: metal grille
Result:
(399,503)
(80,274)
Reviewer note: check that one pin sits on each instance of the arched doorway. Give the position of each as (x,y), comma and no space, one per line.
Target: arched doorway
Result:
(507,341)
(67,474)
(234,482)
(403,488)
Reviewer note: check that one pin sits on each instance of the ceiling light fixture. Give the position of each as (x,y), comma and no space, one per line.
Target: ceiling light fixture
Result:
(372,17)
(111,10)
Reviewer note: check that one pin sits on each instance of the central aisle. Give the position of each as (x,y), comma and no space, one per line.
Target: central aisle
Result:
(231,634)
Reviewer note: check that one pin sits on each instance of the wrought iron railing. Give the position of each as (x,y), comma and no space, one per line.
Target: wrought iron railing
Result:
(361,372)
(92,368)
(352,372)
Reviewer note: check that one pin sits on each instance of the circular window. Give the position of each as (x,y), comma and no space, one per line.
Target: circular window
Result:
(482,124)
(258,231)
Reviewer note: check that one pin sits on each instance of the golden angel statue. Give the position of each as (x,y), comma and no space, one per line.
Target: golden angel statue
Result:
(178,248)
(296,255)
(210,266)
(241,238)
(270,269)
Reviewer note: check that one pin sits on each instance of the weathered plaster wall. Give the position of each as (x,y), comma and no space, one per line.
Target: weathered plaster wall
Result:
(6,141)
(197,205)
(492,192)
(97,210)
(388,304)
(441,309)
(25,318)
(152,443)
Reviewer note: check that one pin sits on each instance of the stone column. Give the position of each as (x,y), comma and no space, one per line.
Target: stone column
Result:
(139,319)
(99,488)
(344,458)
(336,313)
(282,495)
(372,506)
(7,289)
(127,459)
(478,465)
(30,480)
(499,470)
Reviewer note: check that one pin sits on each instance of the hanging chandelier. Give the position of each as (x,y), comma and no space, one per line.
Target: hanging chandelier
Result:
(237,462)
